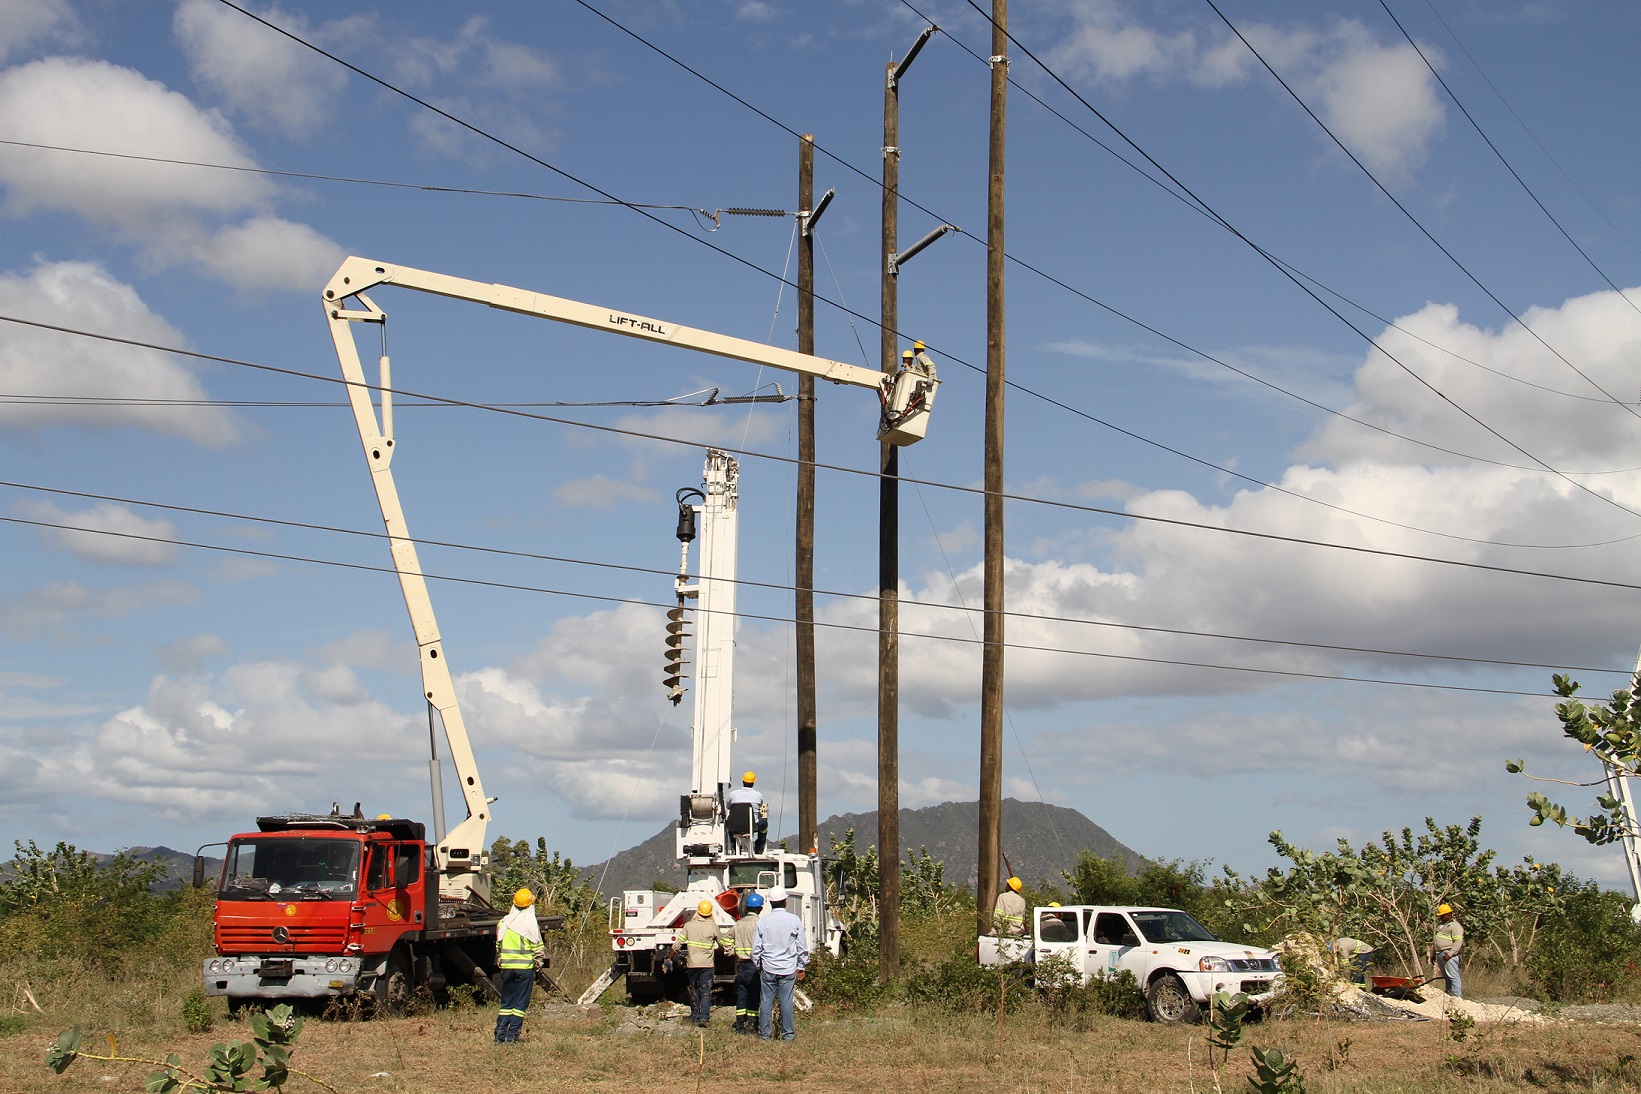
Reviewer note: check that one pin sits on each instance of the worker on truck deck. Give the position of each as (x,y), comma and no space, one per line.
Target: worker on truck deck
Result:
(748,793)
(1009,917)
(746,971)
(702,941)
(780,950)
(519,953)
(1448,942)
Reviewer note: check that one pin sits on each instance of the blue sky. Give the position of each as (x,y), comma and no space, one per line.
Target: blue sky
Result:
(160,693)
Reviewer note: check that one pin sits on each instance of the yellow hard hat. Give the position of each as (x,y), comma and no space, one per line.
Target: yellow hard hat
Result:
(919,346)
(1014,883)
(1445,909)
(704,908)
(905,353)
(749,778)
(384,816)
(1054,904)
(523,898)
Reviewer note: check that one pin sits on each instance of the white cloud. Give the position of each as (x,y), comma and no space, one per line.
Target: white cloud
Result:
(477,53)
(25,22)
(372,649)
(111,533)
(261,74)
(218,220)
(49,371)
(188,655)
(602,492)
(1381,100)
(50,610)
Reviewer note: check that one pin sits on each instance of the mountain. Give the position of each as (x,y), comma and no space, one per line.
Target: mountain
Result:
(179,866)
(1040,840)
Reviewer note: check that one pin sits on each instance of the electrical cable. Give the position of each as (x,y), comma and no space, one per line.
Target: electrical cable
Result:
(618,600)
(860,472)
(1408,213)
(1443,396)
(1482,133)
(960,606)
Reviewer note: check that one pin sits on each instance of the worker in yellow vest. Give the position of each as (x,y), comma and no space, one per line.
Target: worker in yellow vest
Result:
(519,952)
(1448,942)
(701,940)
(1009,917)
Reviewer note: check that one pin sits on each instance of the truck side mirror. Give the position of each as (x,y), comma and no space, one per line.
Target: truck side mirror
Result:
(199,871)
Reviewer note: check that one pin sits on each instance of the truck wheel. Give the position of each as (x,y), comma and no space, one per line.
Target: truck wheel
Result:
(393,987)
(1167,1001)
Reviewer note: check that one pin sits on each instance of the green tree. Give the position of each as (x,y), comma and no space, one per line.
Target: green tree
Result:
(553,878)
(1613,733)
(62,901)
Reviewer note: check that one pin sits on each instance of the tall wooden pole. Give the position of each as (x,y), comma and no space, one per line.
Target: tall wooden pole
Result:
(991,668)
(888,546)
(804,565)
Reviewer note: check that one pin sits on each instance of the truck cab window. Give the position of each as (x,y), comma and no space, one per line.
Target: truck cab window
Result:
(380,876)
(407,868)
(1112,929)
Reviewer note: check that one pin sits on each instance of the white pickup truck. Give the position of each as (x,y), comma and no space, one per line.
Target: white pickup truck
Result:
(1177,962)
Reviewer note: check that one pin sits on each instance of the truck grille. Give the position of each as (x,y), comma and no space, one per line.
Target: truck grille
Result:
(1251,964)
(316,938)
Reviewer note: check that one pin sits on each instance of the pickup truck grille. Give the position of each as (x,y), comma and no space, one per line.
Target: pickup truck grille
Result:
(319,938)
(1251,964)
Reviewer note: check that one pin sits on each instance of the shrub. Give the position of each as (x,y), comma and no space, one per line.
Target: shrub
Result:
(849,982)
(1072,1003)
(1587,950)
(959,983)
(196,1011)
(12,1024)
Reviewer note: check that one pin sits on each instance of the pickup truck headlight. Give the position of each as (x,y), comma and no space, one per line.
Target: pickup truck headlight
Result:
(1213,964)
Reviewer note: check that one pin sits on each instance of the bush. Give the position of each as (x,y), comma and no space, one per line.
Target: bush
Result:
(196,1011)
(849,982)
(959,983)
(1072,1003)
(12,1024)
(1590,950)
(63,903)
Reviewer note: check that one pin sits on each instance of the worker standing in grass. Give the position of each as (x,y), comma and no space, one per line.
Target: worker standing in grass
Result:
(519,953)
(702,941)
(746,970)
(1449,941)
(780,950)
(1009,917)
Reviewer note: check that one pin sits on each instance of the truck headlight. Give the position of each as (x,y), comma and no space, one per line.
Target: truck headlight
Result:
(213,965)
(1213,964)
(227,964)
(344,965)
(331,965)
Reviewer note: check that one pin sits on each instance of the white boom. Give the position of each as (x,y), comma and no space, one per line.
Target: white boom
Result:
(906,398)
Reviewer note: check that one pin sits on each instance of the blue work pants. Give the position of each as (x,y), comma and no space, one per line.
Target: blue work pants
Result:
(700,995)
(774,988)
(515,1000)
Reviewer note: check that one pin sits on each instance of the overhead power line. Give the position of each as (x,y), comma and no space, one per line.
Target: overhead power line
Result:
(784,588)
(667,604)
(1176,522)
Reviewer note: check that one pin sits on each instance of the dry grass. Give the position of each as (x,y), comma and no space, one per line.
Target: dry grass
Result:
(450,1052)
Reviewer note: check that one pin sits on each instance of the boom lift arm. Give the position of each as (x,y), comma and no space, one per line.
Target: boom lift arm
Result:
(906,398)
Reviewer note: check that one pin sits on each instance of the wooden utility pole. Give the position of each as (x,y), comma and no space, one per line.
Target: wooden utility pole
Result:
(804,565)
(991,668)
(888,573)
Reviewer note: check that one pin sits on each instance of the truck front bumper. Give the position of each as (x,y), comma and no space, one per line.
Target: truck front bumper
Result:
(283,977)
(1256,985)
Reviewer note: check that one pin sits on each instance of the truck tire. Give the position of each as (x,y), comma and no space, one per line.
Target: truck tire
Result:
(395,985)
(1167,1001)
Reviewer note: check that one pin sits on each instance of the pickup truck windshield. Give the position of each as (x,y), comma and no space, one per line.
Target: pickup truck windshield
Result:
(286,869)
(1171,927)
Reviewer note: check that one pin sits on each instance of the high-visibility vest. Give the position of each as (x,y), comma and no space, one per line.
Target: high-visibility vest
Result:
(1450,937)
(517,952)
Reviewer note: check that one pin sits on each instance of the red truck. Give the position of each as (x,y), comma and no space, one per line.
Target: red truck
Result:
(317,907)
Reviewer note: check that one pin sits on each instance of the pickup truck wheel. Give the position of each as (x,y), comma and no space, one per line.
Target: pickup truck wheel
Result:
(1167,1001)
(393,987)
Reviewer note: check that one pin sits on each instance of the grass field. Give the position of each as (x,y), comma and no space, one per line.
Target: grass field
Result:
(894,1049)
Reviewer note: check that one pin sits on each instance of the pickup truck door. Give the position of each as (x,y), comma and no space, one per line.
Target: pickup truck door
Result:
(1058,933)
(1114,944)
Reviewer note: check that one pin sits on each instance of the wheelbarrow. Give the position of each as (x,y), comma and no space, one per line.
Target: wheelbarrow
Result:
(1398,987)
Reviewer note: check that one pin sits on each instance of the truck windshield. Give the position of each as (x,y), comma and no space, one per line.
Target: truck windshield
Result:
(746,875)
(1171,927)
(315,869)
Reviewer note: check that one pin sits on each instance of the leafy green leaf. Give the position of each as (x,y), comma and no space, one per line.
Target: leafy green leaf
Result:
(65,1051)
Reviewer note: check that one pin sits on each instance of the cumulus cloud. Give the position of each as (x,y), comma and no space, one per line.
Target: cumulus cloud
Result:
(25,22)
(259,73)
(188,655)
(59,379)
(106,532)
(1381,100)
(217,220)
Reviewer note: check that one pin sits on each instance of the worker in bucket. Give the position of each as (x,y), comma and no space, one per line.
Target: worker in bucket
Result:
(746,970)
(1448,942)
(702,941)
(519,953)
(780,950)
(748,793)
(1009,917)
(1354,957)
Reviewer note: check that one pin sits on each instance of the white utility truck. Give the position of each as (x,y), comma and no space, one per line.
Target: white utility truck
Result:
(1173,958)
(717,842)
